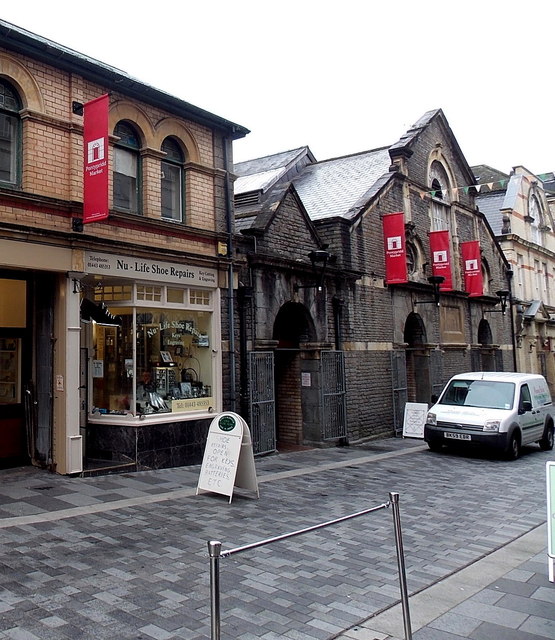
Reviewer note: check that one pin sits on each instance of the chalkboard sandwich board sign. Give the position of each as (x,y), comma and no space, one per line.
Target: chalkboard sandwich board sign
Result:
(228,459)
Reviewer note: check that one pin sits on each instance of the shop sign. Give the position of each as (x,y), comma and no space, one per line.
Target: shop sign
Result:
(153,270)
(192,404)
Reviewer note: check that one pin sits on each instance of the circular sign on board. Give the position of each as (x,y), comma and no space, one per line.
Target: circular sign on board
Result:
(226,423)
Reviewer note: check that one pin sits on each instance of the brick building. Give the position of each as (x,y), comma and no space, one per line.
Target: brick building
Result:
(111,333)
(330,351)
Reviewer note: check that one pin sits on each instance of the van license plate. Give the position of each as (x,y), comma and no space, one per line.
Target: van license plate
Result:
(457,436)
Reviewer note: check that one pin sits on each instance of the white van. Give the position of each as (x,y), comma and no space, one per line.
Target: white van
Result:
(492,409)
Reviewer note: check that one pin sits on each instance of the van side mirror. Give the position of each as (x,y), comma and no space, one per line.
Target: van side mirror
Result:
(525,406)
(434,398)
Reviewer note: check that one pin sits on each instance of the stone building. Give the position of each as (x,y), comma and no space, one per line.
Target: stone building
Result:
(112,344)
(331,346)
(517,205)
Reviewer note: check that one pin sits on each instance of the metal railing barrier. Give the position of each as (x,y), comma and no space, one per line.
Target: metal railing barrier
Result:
(216,554)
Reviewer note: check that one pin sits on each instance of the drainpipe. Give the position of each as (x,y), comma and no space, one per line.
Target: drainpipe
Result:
(244,298)
(509,274)
(231,249)
(337,304)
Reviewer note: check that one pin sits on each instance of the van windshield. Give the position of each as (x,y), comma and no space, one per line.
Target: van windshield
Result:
(479,393)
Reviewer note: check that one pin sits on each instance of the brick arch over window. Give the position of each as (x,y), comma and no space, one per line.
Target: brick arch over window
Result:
(18,76)
(136,117)
(170,127)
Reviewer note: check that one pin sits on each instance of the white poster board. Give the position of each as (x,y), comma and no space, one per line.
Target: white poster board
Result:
(415,419)
(228,459)
(550,475)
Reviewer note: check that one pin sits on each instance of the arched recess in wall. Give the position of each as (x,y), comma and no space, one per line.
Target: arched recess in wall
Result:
(419,387)
(22,80)
(486,359)
(170,127)
(293,325)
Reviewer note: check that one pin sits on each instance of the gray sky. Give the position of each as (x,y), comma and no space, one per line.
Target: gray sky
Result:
(340,77)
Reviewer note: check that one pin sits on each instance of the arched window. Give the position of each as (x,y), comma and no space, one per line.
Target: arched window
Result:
(440,192)
(172,181)
(10,135)
(536,221)
(126,169)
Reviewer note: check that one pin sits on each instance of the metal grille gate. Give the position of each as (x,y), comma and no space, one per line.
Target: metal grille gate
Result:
(262,401)
(334,409)
(400,388)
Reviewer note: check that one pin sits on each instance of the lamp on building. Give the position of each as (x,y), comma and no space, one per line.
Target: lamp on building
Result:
(504,297)
(320,258)
(435,281)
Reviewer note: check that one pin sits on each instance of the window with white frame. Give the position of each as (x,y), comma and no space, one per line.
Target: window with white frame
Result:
(10,135)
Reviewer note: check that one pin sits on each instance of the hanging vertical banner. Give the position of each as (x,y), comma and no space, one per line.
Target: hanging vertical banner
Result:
(395,248)
(472,264)
(441,258)
(95,175)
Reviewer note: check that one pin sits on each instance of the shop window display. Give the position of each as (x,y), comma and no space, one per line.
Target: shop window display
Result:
(156,361)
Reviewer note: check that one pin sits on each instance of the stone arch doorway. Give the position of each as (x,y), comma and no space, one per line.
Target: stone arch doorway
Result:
(485,340)
(293,325)
(419,386)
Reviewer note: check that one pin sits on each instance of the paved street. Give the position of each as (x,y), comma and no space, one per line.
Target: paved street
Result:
(125,557)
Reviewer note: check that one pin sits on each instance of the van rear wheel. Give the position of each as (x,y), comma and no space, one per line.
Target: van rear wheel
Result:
(546,443)
(513,450)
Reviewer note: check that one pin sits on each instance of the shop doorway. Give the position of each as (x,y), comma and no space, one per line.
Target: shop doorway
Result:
(13,350)
(26,362)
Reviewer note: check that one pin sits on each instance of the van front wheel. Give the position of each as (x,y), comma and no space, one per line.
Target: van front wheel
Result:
(546,443)
(513,450)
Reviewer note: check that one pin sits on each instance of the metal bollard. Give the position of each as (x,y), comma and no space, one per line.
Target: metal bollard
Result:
(214,550)
(394,499)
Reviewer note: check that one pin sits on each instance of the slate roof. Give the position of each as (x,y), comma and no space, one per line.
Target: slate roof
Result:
(261,173)
(490,205)
(485,174)
(341,186)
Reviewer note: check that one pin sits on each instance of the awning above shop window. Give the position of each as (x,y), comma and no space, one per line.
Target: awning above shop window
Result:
(92,312)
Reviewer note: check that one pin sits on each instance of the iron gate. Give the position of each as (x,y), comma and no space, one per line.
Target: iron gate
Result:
(400,388)
(334,408)
(262,401)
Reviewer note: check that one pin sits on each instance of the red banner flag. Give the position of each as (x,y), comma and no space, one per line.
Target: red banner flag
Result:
(395,248)
(441,258)
(472,264)
(95,176)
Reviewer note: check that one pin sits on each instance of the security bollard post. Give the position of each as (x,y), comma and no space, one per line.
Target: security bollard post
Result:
(214,550)
(394,499)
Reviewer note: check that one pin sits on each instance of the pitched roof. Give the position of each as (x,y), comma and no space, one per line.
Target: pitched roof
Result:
(340,187)
(485,174)
(261,173)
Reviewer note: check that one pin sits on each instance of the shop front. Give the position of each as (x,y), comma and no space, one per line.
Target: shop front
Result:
(150,359)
